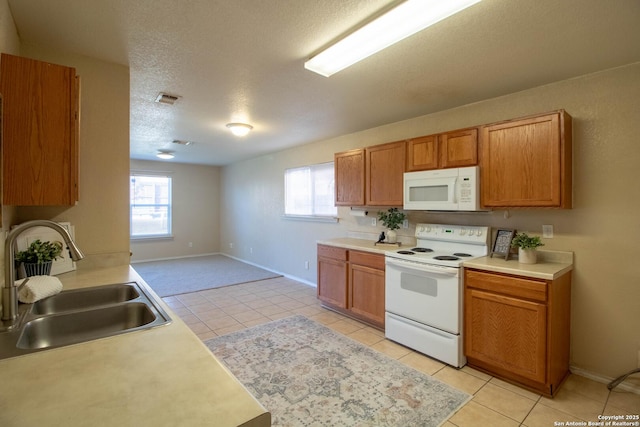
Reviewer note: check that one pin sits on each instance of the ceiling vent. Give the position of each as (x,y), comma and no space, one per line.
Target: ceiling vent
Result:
(181,142)
(165,98)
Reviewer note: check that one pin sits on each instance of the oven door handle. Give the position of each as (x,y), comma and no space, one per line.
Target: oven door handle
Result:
(412,267)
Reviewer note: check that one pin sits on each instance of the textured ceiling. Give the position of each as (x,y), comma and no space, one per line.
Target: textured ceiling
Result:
(242,60)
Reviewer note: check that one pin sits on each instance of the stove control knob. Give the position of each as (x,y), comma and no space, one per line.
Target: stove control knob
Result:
(463,231)
(478,232)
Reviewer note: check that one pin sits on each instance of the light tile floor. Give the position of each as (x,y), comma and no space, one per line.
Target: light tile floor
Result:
(220,311)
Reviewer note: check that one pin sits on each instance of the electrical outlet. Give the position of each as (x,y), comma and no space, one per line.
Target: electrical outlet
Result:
(374,222)
(547,231)
(405,223)
(306,265)
(230,245)
(190,244)
(250,250)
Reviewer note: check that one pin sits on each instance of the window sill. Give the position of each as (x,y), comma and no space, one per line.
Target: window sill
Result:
(150,238)
(311,218)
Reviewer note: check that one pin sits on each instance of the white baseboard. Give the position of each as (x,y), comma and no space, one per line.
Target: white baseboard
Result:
(288,276)
(604,379)
(175,257)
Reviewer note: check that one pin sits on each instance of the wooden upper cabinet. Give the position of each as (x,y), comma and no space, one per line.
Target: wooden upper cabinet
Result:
(385,167)
(422,153)
(459,148)
(527,162)
(40,132)
(447,150)
(349,177)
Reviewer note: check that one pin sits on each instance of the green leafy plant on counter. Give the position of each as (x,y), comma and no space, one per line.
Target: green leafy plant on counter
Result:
(40,252)
(392,219)
(524,241)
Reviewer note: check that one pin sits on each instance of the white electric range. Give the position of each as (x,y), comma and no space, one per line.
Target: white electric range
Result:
(424,289)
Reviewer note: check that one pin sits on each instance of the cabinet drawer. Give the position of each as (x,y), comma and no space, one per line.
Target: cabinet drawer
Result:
(332,252)
(367,259)
(520,287)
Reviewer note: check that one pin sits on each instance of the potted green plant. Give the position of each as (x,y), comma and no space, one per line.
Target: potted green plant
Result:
(392,219)
(38,257)
(527,245)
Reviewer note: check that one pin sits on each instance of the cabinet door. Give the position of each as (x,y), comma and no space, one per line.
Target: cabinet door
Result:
(422,153)
(332,281)
(506,333)
(527,162)
(349,176)
(366,293)
(385,174)
(40,165)
(459,149)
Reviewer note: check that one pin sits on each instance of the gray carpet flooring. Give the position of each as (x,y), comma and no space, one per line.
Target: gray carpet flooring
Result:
(184,275)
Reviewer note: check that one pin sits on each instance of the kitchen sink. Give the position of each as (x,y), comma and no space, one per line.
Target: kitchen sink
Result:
(80,315)
(79,299)
(85,325)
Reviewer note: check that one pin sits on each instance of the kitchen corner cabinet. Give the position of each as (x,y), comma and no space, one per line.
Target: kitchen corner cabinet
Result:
(517,328)
(447,150)
(527,162)
(349,169)
(352,282)
(385,166)
(40,132)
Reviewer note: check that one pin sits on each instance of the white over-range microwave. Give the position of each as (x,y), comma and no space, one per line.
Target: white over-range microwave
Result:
(455,189)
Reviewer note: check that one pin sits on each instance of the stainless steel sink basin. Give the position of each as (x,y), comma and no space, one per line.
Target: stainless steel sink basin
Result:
(78,299)
(81,315)
(79,326)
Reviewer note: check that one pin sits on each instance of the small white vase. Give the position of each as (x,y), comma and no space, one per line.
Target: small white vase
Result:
(527,256)
(392,236)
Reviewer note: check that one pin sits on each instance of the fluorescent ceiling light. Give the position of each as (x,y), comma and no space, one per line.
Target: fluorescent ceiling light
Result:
(165,154)
(239,129)
(397,24)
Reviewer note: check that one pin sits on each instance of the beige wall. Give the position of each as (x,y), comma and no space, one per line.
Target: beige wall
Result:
(601,228)
(196,212)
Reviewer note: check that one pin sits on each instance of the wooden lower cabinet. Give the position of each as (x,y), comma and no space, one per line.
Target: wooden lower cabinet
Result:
(332,275)
(517,328)
(352,282)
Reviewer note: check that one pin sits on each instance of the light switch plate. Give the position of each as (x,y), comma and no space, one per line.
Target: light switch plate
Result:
(547,231)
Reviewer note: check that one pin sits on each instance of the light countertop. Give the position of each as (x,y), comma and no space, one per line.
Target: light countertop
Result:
(551,264)
(159,377)
(360,245)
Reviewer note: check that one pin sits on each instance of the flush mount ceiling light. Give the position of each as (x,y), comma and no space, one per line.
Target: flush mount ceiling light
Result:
(239,129)
(165,154)
(399,23)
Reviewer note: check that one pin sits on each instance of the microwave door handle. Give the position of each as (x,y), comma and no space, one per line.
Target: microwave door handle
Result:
(453,191)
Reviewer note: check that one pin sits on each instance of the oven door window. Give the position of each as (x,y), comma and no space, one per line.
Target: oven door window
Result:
(427,286)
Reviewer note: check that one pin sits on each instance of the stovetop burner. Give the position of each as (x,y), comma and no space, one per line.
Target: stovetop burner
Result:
(462,254)
(422,250)
(446,258)
(406,252)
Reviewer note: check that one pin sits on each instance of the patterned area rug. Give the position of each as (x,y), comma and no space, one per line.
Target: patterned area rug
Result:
(307,375)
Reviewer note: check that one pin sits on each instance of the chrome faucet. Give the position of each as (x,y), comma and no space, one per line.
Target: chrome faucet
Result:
(9,290)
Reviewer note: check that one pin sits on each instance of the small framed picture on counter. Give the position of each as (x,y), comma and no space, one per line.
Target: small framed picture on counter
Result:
(502,243)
